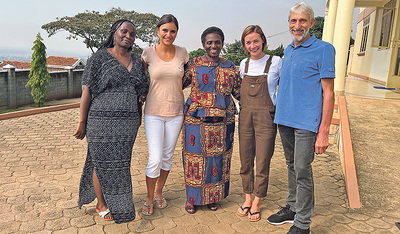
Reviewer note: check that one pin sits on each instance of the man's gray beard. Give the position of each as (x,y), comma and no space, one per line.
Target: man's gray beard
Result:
(302,36)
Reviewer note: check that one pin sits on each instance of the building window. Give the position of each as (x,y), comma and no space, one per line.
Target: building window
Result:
(383,24)
(365,34)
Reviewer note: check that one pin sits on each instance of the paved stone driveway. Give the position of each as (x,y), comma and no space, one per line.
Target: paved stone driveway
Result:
(41,163)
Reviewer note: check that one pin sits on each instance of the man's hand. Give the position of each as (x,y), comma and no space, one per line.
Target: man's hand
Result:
(322,142)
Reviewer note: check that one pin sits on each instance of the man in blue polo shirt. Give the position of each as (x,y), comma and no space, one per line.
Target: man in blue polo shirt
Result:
(304,109)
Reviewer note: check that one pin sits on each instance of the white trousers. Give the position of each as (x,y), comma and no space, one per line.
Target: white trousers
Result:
(162,134)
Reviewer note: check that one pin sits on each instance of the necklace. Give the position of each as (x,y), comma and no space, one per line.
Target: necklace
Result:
(213,74)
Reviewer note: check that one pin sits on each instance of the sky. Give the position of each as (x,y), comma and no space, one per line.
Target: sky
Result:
(22,20)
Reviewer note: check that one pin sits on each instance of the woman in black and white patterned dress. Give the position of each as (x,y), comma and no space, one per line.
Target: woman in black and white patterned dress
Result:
(110,115)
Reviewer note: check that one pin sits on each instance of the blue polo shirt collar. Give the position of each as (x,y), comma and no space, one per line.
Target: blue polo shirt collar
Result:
(307,43)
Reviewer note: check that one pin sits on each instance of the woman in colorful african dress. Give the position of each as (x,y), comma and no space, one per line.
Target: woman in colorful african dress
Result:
(209,123)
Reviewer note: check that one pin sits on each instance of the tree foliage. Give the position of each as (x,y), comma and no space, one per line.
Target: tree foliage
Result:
(94,27)
(276,52)
(197,53)
(318,27)
(38,75)
(234,52)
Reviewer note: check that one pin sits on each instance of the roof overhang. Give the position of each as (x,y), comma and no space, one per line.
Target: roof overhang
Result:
(364,3)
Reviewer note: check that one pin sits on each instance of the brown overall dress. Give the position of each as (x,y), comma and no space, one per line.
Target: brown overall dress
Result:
(257,131)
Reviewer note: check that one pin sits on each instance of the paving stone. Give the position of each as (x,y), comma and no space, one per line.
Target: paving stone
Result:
(228,217)
(223,228)
(7,179)
(6,217)
(177,230)
(73,212)
(244,226)
(8,187)
(50,214)
(10,227)
(27,216)
(67,231)
(142,225)
(92,229)
(58,224)
(209,217)
(179,202)
(14,193)
(39,198)
(378,223)
(172,212)
(334,200)
(164,223)
(116,228)
(339,218)
(32,226)
(321,230)
(43,232)
(54,190)
(357,216)
(199,229)
(17,200)
(361,227)
(340,229)
(186,220)
(67,204)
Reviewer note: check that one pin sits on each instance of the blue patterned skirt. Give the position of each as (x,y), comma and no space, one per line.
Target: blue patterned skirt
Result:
(207,151)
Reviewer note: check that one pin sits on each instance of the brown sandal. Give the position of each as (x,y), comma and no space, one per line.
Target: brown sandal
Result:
(190,208)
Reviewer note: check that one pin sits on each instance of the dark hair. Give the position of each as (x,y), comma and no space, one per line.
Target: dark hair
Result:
(209,30)
(168,18)
(250,29)
(109,43)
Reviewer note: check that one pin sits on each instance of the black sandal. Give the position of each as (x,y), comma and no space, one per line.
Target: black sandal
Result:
(213,206)
(190,208)
(257,219)
(245,210)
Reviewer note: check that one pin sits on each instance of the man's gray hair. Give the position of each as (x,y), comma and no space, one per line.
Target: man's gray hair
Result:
(302,7)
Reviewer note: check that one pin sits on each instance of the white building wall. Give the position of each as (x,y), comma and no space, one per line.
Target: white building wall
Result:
(380,64)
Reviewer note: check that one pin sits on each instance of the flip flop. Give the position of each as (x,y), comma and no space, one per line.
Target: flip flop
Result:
(148,207)
(103,214)
(160,202)
(255,220)
(247,208)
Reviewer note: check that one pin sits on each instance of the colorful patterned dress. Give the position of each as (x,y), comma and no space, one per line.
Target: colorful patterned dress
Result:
(208,129)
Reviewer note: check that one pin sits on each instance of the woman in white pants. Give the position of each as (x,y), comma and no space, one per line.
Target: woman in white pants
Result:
(164,108)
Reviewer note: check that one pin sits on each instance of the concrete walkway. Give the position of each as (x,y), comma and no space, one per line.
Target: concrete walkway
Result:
(41,164)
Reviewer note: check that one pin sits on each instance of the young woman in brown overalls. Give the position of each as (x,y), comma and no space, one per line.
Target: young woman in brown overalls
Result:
(257,131)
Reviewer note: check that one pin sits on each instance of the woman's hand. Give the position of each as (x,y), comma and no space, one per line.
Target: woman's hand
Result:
(80,131)
(84,108)
(142,99)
